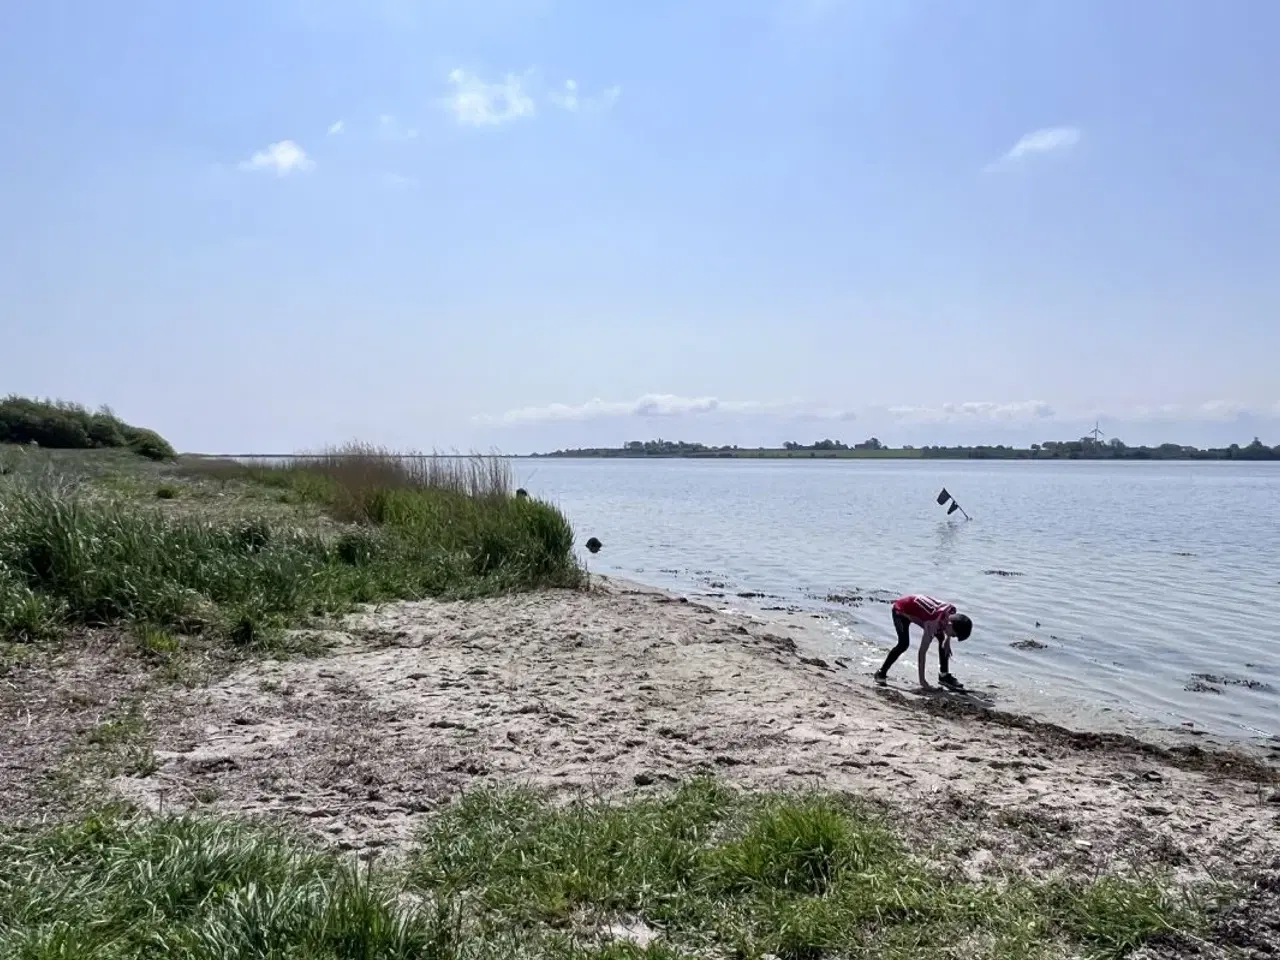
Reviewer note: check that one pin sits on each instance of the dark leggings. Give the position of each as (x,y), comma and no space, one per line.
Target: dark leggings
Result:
(902,626)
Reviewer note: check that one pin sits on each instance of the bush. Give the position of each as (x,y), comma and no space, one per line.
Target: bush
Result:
(61,425)
(149,444)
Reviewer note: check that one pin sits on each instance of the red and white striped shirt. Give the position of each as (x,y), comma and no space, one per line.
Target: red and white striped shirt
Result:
(923,610)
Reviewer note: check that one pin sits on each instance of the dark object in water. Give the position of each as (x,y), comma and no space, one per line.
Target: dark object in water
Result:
(1028,644)
(1199,680)
(522,494)
(1001,573)
(944,496)
(1199,686)
(594,545)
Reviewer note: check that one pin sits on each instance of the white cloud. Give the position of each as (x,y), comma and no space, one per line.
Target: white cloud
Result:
(1047,140)
(1023,411)
(665,405)
(973,413)
(336,127)
(480,103)
(283,158)
(571,99)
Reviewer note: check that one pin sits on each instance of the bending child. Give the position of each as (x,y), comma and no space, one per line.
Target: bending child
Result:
(938,620)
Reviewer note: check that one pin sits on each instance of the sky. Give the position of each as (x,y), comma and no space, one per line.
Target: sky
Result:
(520,225)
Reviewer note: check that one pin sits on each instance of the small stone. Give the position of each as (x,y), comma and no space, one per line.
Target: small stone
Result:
(1153,776)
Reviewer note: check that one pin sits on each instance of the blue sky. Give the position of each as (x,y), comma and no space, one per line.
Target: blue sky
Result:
(273,224)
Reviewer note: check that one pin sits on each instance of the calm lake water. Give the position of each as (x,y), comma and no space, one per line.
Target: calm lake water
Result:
(1151,591)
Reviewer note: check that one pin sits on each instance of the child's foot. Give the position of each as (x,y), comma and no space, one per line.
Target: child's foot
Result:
(880,678)
(950,682)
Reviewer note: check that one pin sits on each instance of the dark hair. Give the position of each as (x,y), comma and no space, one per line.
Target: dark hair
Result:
(962,625)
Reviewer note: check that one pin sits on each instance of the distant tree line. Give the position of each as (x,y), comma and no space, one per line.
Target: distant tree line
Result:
(70,426)
(872,444)
(1086,448)
(1089,448)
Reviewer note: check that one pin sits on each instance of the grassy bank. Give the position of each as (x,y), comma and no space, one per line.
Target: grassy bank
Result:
(700,872)
(215,547)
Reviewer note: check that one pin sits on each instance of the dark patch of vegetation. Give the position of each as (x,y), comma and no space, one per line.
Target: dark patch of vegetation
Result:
(1090,448)
(449,528)
(57,424)
(702,872)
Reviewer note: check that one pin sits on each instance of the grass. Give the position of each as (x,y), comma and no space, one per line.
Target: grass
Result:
(792,876)
(708,871)
(101,547)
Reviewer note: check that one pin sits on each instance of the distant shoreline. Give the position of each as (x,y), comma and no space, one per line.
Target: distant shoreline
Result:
(1072,450)
(1136,454)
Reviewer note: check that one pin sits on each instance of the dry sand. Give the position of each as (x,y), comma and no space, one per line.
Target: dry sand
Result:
(622,688)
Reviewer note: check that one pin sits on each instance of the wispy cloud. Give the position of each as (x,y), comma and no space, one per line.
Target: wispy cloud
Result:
(975,411)
(390,128)
(974,414)
(476,102)
(570,98)
(399,181)
(653,405)
(282,158)
(1047,140)
(336,128)
(1210,411)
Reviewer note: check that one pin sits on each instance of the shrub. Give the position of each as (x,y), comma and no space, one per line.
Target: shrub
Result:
(62,425)
(149,444)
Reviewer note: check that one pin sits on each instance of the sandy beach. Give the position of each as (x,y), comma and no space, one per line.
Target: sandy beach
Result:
(623,687)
